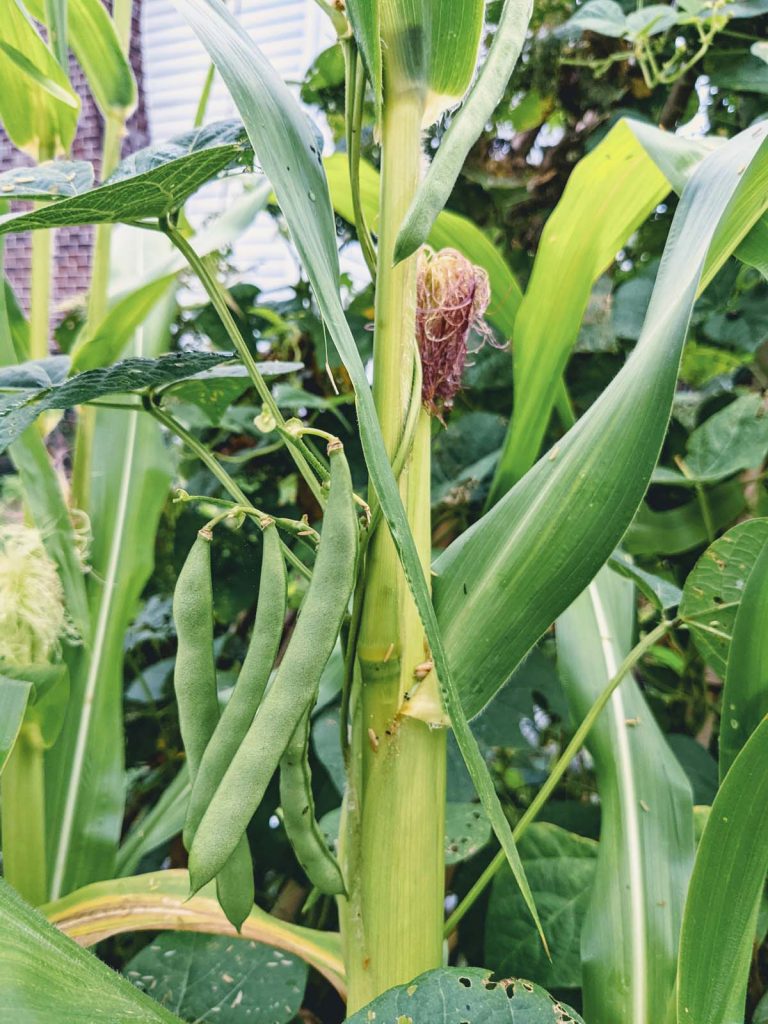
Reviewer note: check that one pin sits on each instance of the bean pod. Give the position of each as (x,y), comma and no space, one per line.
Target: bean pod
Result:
(294,688)
(251,681)
(297,801)
(194,680)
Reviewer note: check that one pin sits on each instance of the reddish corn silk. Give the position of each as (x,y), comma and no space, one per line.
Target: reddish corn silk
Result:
(452,295)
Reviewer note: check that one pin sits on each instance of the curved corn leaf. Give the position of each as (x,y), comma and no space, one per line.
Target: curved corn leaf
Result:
(161,823)
(613,189)
(150,183)
(465,994)
(38,107)
(469,122)
(14,696)
(45,978)
(365,18)
(745,694)
(449,230)
(645,856)
(724,895)
(714,589)
(93,39)
(454,39)
(510,575)
(287,152)
(160,901)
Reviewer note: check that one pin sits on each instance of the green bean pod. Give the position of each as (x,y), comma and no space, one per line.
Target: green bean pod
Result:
(251,682)
(298,803)
(194,680)
(294,688)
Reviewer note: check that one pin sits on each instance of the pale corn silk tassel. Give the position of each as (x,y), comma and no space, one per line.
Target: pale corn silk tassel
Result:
(452,296)
(32,615)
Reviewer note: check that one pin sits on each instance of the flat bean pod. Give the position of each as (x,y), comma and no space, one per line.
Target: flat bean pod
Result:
(194,680)
(294,688)
(251,682)
(297,801)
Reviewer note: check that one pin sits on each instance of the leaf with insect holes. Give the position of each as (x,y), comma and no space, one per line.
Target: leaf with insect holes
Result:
(220,978)
(468,995)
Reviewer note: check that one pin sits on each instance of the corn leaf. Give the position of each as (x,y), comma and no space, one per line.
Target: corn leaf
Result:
(93,39)
(286,150)
(38,108)
(450,230)
(365,17)
(614,189)
(160,901)
(509,576)
(130,475)
(723,898)
(645,855)
(164,821)
(745,694)
(14,695)
(466,126)
(454,28)
(46,978)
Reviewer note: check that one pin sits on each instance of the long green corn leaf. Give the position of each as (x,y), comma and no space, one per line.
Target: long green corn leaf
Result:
(745,694)
(469,122)
(164,821)
(506,579)
(365,17)
(46,978)
(14,695)
(449,230)
(613,190)
(645,856)
(131,475)
(94,41)
(38,108)
(724,895)
(454,40)
(286,151)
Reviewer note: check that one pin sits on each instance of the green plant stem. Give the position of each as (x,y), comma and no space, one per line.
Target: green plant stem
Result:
(218,299)
(98,295)
(559,769)
(394,811)
(354,99)
(40,284)
(23,799)
(211,462)
(205,96)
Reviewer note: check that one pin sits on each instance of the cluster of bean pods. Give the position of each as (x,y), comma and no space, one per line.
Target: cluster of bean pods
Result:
(233,757)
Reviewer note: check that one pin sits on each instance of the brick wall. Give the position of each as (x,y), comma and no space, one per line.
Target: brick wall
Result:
(72,252)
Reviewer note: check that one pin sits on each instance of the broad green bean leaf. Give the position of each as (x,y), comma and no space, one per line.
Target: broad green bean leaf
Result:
(467,995)
(613,189)
(745,694)
(450,230)
(37,373)
(38,107)
(365,17)
(46,978)
(606,17)
(95,43)
(219,978)
(650,21)
(715,586)
(160,901)
(466,126)
(54,179)
(662,593)
(561,869)
(213,391)
(672,531)
(151,183)
(129,477)
(760,50)
(161,823)
(21,405)
(511,574)
(735,438)
(645,855)
(724,894)
(290,158)
(742,72)
(746,9)
(14,694)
